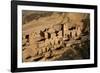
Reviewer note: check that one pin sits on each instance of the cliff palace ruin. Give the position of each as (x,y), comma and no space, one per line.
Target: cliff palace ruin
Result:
(51,36)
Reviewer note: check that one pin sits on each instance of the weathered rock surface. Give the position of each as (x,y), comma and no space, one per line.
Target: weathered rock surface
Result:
(49,36)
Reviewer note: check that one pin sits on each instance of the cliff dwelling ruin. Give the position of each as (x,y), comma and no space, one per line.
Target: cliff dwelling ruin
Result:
(51,36)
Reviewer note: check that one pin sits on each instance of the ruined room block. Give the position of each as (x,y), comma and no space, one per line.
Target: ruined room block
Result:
(42,34)
(65,30)
(66,34)
(41,44)
(37,37)
(57,27)
(61,41)
(71,26)
(53,35)
(46,35)
(48,48)
(44,49)
(33,40)
(56,40)
(65,26)
(57,45)
(74,34)
(40,51)
(33,44)
(47,42)
(60,34)
(52,41)
(47,54)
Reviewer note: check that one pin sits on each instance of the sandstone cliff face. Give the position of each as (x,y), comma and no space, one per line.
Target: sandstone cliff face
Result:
(50,36)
